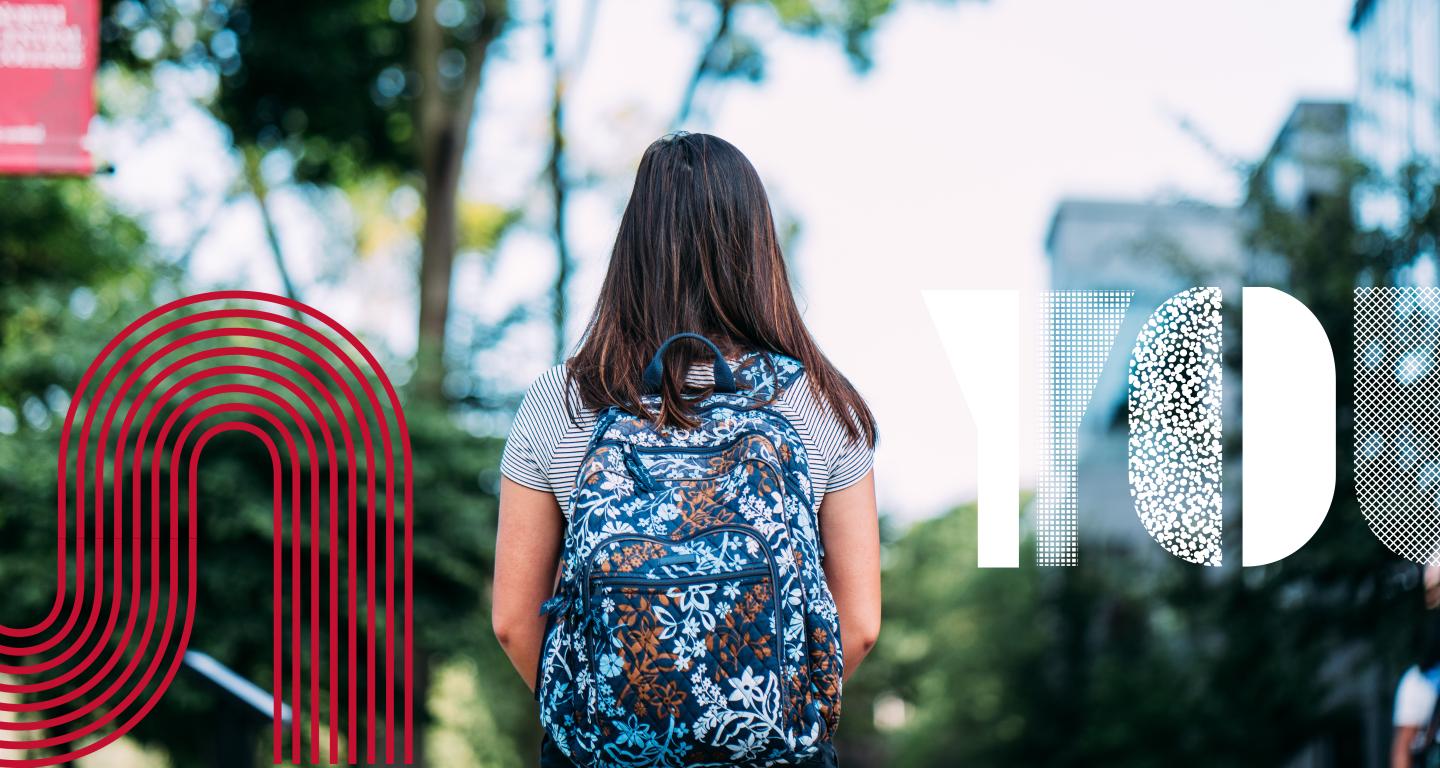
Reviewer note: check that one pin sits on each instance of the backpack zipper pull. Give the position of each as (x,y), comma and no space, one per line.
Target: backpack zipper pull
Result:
(637,470)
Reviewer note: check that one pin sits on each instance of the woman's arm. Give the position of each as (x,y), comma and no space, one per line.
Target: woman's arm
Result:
(527,554)
(1400,746)
(850,531)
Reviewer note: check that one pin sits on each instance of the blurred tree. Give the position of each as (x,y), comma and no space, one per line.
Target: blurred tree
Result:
(403,100)
(1106,663)
(1000,667)
(1344,603)
(72,273)
(728,51)
(345,90)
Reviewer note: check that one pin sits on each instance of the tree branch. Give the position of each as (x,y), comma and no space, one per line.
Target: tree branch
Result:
(554,174)
(705,65)
(255,180)
(443,133)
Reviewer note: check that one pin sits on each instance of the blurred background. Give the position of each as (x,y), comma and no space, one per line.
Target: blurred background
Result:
(445,178)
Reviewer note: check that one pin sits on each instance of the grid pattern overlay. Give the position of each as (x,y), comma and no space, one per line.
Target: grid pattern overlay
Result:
(1397,423)
(1079,329)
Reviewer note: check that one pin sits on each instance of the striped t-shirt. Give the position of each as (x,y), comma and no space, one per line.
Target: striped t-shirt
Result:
(546,447)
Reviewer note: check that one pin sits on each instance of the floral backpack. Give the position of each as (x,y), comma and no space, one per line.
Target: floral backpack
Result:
(692,624)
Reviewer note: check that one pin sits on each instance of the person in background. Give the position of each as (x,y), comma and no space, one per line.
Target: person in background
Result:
(1413,745)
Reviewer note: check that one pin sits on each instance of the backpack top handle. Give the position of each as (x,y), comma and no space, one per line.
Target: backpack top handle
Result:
(654,372)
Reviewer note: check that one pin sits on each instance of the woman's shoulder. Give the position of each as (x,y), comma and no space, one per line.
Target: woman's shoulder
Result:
(552,392)
(552,382)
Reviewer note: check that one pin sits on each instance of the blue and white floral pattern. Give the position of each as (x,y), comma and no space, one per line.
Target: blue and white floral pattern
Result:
(693,624)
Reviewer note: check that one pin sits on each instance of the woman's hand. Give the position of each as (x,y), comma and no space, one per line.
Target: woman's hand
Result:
(850,531)
(527,554)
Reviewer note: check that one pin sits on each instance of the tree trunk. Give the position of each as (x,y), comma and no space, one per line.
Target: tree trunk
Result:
(443,134)
(437,261)
(559,190)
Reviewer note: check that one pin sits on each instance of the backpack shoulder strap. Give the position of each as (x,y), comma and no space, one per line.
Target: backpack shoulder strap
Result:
(762,375)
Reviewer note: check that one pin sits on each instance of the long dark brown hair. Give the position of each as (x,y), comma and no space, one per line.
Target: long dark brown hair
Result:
(697,251)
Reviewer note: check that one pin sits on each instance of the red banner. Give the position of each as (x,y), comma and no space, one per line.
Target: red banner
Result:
(48,50)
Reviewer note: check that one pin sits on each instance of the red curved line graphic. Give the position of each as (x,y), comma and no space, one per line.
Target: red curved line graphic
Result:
(187,363)
(43,704)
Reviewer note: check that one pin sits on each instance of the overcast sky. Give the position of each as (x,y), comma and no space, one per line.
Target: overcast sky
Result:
(939,168)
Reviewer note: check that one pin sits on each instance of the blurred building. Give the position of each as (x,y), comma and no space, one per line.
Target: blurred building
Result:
(1397,88)
(1396,118)
(1305,163)
(1156,250)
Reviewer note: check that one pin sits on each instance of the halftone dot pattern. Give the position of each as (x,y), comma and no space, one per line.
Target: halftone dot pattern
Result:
(1079,329)
(1397,424)
(1175,426)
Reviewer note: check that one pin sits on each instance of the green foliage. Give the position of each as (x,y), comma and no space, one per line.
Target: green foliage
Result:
(72,273)
(1059,667)
(850,24)
(953,639)
(67,263)
(76,272)
(331,82)
(1107,663)
(352,111)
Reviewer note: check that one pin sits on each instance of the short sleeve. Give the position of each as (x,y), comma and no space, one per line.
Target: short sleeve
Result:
(850,465)
(1414,700)
(524,460)
(847,460)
